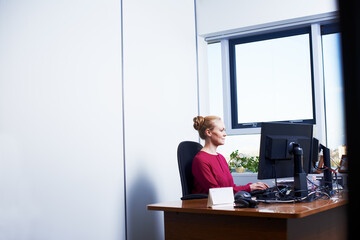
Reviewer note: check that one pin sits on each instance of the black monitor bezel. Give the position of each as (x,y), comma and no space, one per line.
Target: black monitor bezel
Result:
(270,169)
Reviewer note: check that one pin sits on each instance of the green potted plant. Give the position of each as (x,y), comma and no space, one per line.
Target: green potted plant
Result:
(232,165)
(243,162)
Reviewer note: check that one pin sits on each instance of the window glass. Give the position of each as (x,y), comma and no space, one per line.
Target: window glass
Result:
(271,79)
(334,93)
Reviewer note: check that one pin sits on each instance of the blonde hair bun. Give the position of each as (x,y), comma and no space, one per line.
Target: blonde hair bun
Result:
(198,122)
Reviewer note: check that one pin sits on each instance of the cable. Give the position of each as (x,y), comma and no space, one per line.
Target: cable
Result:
(319,194)
(286,194)
(274,169)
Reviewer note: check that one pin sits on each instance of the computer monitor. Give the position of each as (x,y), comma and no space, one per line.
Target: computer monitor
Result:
(286,151)
(326,168)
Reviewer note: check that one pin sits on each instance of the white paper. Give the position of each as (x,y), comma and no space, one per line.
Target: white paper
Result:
(220,197)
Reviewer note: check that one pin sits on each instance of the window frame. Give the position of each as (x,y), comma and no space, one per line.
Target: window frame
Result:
(233,81)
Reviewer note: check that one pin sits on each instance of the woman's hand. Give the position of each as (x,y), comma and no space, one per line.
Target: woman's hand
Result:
(258,186)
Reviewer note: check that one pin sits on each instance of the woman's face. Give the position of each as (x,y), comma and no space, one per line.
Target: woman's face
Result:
(217,134)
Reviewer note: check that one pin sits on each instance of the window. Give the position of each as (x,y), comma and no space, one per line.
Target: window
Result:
(271,78)
(258,85)
(333,90)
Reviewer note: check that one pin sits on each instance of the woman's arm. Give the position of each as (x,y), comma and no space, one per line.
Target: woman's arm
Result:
(242,188)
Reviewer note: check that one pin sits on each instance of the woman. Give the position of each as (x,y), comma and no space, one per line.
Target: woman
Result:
(209,168)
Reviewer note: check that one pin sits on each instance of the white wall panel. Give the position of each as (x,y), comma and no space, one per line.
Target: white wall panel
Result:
(223,15)
(61,158)
(160,99)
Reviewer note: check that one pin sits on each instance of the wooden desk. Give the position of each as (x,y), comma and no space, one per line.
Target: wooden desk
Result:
(191,219)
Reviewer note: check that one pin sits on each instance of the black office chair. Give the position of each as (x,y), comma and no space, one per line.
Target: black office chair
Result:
(186,153)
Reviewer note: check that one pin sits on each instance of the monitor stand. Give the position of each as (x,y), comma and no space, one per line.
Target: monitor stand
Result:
(300,181)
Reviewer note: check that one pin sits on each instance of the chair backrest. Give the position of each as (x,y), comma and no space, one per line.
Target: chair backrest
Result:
(186,153)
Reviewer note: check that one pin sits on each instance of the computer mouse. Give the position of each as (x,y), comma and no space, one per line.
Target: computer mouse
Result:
(245,203)
(242,194)
(241,203)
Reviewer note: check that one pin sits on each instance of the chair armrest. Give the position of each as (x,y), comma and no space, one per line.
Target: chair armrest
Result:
(194,196)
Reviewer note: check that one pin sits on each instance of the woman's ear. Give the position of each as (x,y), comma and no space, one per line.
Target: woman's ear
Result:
(208,132)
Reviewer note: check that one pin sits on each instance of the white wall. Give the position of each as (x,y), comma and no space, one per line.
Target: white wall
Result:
(61,116)
(61,157)
(160,99)
(224,15)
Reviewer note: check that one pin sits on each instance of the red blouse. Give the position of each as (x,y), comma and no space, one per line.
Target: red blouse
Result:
(212,171)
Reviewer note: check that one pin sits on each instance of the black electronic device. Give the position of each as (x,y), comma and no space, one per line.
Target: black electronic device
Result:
(243,200)
(326,164)
(286,151)
(281,193)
